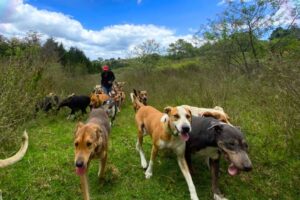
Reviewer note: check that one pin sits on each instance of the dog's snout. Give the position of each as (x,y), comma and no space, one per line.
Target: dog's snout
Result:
(186,129)
(248,168)
(79,164)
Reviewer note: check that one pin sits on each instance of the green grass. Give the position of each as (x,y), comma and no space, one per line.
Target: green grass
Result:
(47,171)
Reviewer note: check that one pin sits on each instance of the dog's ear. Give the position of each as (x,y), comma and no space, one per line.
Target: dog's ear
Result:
(164,118)
(190,114)
(218,128)
(134,91)
(78,126)
(167,109)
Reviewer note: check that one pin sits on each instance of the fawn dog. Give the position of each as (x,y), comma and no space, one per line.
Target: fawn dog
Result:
(19,155)
(142,97)
(91,142)
(167,130)
(97,100)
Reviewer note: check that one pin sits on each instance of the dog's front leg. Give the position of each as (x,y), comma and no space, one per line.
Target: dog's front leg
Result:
(84,187)
(102,165)
(139,148)
(214,170)
(148,172)
(186,173)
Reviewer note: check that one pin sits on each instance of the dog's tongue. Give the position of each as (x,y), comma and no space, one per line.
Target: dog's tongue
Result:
(184,136)
(80,171)
(233,170)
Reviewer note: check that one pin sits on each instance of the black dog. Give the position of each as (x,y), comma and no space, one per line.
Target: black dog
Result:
(212,137)
(48,103)
(75,103)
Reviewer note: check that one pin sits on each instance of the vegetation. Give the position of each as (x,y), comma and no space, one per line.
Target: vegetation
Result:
(255,79)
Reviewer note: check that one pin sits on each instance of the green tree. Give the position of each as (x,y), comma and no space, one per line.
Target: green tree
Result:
(148,53)
(181,49)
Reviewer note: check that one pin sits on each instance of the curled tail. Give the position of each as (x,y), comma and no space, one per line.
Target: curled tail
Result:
(19,155)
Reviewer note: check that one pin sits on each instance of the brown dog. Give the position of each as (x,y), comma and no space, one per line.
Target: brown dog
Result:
(142,97)
(19,155)
(97,100)
(167,130)
(91,142)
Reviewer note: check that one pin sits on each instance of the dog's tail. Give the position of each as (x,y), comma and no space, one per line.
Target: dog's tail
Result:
(136,103)
(19,155)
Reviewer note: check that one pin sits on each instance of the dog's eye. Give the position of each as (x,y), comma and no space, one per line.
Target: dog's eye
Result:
(188,116)
(231,143)
(88,144)
(76,144)
(176,116)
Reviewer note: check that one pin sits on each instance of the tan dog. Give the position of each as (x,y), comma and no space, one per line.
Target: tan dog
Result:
(117,98)
(91,142)
(167,130)
(142,97)
(98,89)
(98,99)
(216,112)
(19,155)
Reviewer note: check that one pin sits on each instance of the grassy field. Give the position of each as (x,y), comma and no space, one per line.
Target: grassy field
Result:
(47,171)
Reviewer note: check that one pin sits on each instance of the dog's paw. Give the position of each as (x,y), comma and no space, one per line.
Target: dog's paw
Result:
(219,197)
(148,174)
(144,164)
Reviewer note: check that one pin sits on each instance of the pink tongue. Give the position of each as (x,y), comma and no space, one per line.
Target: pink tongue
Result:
(185,136)
(80,171)
(232,170)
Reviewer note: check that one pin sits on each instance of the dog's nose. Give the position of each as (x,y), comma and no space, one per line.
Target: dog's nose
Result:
(185,129)
(79,164)
(248,168)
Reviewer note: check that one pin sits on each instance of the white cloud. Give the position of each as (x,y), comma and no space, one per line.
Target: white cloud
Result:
(287,13)
(110,41)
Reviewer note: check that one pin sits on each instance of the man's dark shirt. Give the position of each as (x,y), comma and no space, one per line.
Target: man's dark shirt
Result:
(107,78)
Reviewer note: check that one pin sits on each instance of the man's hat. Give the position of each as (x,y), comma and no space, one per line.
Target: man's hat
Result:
(105,68)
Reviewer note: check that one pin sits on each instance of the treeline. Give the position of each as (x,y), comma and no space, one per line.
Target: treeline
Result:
(72,60)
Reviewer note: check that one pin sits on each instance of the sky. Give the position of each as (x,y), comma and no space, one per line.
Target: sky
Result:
(107,28)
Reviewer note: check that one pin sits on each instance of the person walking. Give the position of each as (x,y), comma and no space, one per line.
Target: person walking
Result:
(107,79)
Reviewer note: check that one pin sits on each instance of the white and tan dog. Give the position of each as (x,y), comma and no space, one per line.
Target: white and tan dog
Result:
(167,130)
(216,112)
(19,155)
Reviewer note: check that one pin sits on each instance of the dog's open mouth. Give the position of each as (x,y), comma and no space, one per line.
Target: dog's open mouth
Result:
(184,136)
(80,171)
(233,170)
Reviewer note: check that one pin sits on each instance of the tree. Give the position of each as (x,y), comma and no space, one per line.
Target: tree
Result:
(285,42)
(50,50)
(181,49)
(148,52)
(252,17)
(242,24)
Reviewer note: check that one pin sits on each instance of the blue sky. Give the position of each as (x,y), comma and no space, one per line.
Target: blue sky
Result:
(108,28)
(180,15)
